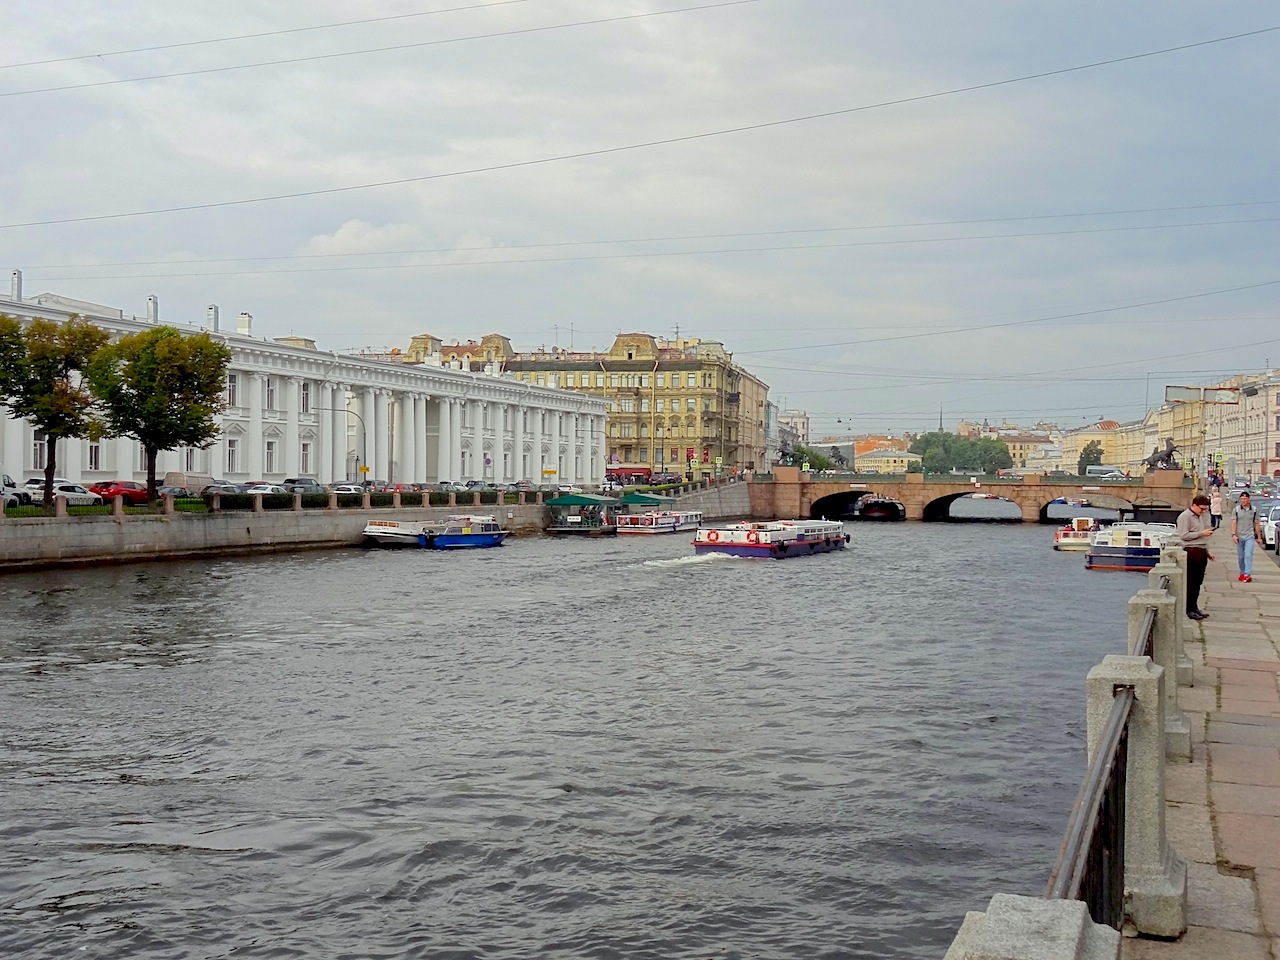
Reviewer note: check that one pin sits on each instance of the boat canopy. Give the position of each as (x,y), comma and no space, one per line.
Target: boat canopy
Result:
(581,500)
(647,500)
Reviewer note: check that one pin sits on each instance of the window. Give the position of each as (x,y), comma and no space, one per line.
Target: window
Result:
(693,380)
(613,380)
(658,429)
(190,460)
(304,459)
(271,393)
(233,456)
(644,380)
(691,404)
(542,379)
(270,458)
(661,380)
(613,429)
(628,405)
(706,405)
(644,431)
(95,455)
(644,454)
(628,431)
(569,379)
(142,457)
(599,379)
(660,405)
(644,404)
(305,403)
(233,389)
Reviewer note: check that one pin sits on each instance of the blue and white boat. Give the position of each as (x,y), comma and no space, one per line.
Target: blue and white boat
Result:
(772,539)
(462,532)
(1129,545)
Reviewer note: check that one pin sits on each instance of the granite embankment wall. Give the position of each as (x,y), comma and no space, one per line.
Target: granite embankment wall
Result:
(28,543)
(723,501)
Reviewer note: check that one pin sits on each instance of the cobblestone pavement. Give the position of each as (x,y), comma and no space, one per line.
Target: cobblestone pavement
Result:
(1224,807)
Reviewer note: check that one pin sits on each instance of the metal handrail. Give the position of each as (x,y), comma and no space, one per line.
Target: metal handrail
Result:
(1142,643)
(1090,864)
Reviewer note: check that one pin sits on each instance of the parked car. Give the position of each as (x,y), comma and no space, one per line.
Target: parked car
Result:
(567,488)
(222,487)
(175,492)
(522,485)
(266,488)
(10,488)
(304,485)
(347,488)
(11,499)
(77,496)
(1268,519)
(128,490)
(37,483)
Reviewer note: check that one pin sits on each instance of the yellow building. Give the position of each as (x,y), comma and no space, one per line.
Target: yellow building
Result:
(886,461)
(1104,432)
(674,406)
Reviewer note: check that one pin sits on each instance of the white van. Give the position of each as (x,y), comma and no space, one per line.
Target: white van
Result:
(11,492)
(1102,470)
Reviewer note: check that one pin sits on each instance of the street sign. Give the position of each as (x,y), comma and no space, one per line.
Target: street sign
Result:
(719,461)
(1219,457)
(1189,466)
(805,465)
(363,468)
(548,471)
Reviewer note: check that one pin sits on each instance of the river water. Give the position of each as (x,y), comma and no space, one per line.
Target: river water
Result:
(557,749)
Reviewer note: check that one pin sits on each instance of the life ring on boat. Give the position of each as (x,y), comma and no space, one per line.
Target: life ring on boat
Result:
(713,535)
(753,537)
(646,521)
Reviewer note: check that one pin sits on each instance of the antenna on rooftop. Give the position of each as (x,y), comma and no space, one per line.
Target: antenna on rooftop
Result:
(940,430)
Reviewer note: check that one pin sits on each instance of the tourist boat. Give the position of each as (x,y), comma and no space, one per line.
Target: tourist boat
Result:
(777,539)
(1129,546)
(1077,534)
(880,508)
(463,531)
(454,532)
(659,521)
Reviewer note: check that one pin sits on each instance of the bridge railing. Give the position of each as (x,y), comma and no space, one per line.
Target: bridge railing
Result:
(1115,869)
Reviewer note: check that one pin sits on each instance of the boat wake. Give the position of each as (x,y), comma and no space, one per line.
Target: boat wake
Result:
(695,559)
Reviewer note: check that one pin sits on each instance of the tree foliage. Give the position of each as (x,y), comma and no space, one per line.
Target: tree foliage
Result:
(1090,456)
(162,388)
(42,380)
(943,452)
(817,461)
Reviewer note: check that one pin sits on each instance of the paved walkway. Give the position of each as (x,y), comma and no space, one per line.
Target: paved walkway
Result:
(1224,807)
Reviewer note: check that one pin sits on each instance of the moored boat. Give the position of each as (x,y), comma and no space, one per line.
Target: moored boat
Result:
(1128,546)
(582,515)
(772,539)
(1077,534)
(462,531)
(394,533)
(659,521)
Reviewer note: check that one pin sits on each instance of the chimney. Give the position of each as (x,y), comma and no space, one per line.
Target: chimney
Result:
(153,309)
(211,316)
(244,324)
(16,296)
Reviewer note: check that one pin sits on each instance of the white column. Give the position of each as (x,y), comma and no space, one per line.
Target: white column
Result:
(217,455)
(70,458)
(293,404)
(602,449)
(517,442)
(420,438)
(380,469)
(535,431)
(444,452)
(324,455)
(15,447)
(479,409)
(456,438)
(578,449)
(253,439)
(403,452)
(340,447)
(365,448)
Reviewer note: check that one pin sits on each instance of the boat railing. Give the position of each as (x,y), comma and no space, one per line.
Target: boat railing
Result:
(1114,858)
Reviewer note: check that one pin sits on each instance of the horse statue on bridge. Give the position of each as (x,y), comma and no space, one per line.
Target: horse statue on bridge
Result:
(1163,459)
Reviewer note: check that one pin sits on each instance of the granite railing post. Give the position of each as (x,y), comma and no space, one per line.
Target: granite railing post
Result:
(453,498)
(521,496)
(117,506)
(1155,877)
(257,503)
(1177,731)
(395,498)
(166,506)
(1173,564)
(366,501)
(333,500)
(1029,928)
(216,505)
(297,502)
(475,499)
(60,506)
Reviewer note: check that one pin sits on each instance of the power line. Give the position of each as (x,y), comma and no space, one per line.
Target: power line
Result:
(359,53)
(763,233)
(255,36)
(605,151)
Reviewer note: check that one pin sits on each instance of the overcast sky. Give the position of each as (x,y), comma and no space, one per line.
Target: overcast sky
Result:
(1051,248)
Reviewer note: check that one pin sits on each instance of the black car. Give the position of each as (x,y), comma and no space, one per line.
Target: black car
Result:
(304,485)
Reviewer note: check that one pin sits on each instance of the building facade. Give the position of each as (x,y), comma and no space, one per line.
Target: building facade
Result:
(678,406)
(295,411)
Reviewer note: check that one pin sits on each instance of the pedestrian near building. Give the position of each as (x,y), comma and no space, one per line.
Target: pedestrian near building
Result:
(1194,531)
(1215,508)
(1246,531)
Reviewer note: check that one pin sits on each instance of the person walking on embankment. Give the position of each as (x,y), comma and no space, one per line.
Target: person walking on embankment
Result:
(1194,531)
(1215,508)
(1246,531)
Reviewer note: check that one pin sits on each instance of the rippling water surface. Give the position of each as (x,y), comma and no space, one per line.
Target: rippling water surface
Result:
(561,749)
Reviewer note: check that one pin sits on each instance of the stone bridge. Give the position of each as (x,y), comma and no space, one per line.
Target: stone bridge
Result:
(791,493)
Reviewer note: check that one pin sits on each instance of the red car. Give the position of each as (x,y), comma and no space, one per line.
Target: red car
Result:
(135,493)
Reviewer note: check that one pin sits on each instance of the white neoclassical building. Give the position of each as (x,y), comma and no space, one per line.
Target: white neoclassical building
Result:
(295,411)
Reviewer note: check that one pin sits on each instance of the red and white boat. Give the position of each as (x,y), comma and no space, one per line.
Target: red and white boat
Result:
(772,539)
(659,521)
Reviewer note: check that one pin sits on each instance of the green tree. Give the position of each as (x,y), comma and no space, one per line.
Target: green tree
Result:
(42,380)
(816,460)
(914,466)
(162,388)
(943,452)
(1090,456)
